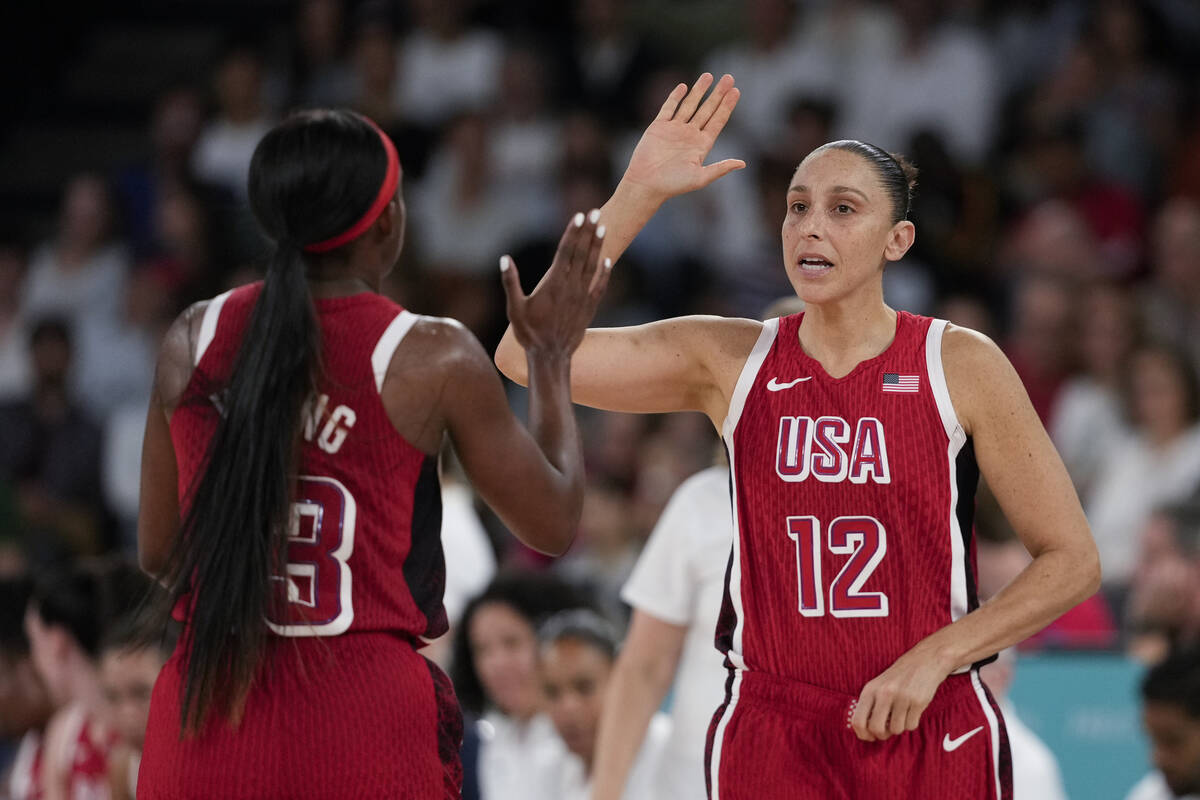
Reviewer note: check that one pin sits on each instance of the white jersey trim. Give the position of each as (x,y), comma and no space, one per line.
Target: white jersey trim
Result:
(388,342)
(714,765)
(937,376)
(957,439)
(741,391)
(745,381)
(993,728)
(208,325)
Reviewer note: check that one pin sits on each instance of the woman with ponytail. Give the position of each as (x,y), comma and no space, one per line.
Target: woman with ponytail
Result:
(289,487)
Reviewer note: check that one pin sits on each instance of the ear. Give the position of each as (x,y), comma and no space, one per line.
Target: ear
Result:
(900,238)
(388,219)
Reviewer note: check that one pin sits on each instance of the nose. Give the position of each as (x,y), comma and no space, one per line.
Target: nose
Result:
(810,227)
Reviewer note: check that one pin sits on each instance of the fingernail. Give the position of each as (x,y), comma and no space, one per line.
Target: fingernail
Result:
(594,215)
(600,232)
(505,262)
(579,220)
(608,263)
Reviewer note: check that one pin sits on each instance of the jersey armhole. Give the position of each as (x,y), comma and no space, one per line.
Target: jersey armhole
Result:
(208,325)
(936,369)
(745,382)
(385,348)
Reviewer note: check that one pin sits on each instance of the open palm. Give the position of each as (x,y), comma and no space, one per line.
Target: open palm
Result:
(669,158)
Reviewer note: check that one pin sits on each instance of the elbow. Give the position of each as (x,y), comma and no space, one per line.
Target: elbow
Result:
(1095,574)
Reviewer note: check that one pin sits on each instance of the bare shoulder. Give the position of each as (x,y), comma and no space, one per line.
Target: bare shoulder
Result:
(719,340)
(980,377)
(177,356)
(438,344)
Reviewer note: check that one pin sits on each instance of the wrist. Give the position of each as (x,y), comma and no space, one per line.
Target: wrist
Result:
(633,195)
(551,356)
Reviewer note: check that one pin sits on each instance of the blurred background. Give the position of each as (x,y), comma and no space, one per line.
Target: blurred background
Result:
(1058,211)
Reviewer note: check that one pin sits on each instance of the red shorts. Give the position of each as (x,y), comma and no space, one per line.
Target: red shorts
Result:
(777,738)
(357,715)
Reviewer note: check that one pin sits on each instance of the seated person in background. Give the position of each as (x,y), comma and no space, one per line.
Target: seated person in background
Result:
(128,669)
(24,705)
(67,617)
(578,648)
(1171,714)
(495,676)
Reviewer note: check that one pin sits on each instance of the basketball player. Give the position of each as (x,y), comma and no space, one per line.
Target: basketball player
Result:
(289,487)
(855,434)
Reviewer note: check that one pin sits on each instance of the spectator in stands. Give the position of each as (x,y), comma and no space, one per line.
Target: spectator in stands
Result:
(374,93)
(771,69)
(1164,599)
(1172,298)
(1171,714)
(67,617)
(446,67)
(1132,120)
(24,706)
(14,357)
(175,124)
(50,452)
(80,274)
(1087,421)
(227,141)
(606,60)
(128,669)
(1157,463)
(1058,169)
(1040,342)
(578,648)
(939,77)
(1035,771)
(463,217)
(495,676)
(319,75)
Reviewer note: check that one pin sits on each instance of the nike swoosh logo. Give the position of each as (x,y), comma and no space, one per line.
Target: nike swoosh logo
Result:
(950,745)
(775,386)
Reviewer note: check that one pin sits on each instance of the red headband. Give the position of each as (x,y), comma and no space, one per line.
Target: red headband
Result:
(390,178)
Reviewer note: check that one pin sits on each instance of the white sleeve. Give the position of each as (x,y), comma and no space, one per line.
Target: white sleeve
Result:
(662,582)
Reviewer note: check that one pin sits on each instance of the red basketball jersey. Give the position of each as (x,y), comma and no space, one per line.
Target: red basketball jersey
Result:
(853,503)
(364,548)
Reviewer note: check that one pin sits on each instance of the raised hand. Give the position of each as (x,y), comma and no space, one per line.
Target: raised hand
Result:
(553,318)
(669,159)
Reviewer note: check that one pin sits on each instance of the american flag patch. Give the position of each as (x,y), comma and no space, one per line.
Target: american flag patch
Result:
(894,382)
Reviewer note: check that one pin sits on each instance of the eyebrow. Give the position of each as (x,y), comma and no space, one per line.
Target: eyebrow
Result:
(836,190)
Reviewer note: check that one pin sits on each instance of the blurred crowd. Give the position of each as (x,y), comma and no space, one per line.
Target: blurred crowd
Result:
(1058,211)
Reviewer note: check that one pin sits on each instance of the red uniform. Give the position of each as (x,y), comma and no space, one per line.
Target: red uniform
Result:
(345,706)
(853,505)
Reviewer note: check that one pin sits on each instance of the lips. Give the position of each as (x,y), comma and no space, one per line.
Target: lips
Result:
(813,263)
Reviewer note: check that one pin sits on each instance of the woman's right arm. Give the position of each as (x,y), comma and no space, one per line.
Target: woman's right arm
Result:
(668,365)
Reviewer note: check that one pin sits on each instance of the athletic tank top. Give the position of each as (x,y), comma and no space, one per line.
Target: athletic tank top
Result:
(364,548)
(853,508)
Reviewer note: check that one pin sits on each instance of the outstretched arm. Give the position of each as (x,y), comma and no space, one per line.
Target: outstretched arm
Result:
(533,479)
(1033,488)
(673,365)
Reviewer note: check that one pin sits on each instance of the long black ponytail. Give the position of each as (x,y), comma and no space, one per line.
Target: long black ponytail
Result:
(311,178)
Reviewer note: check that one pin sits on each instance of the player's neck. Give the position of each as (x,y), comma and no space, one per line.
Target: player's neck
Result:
(843,333)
